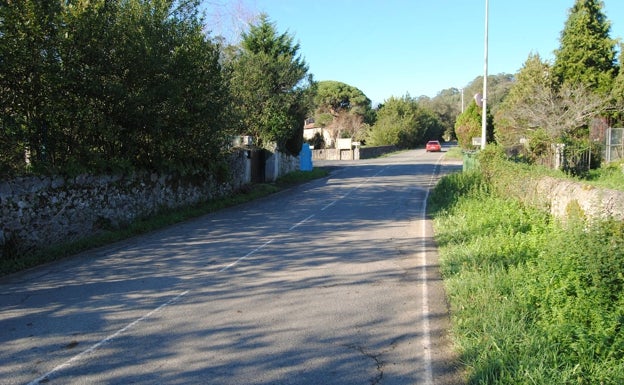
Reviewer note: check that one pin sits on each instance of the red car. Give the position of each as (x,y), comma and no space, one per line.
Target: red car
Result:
(433,145)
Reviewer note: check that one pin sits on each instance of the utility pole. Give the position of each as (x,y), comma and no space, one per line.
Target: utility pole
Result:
(485,75)
(462,100)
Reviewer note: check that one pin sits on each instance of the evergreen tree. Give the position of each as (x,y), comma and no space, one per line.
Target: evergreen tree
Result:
(334,97)
(469,126)
(270,86)
(343,110)
(618,88)
(586,54)
(447,105)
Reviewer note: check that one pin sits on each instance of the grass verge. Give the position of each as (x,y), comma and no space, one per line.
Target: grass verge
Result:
(165,217)
(533,300)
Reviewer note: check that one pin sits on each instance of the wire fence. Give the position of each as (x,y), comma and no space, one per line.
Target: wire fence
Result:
(573,159)
(614,149)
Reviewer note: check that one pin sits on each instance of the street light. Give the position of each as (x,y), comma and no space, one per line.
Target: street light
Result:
(485,74)
(462,100)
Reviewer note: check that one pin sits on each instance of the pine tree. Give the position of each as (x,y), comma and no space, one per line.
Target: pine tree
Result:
(617,92)
(269,83)
(469,126)
(586,54)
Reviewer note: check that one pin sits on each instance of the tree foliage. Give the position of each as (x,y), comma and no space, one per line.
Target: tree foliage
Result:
(570,100)
(510,123)
(560,112)
(617,92)
(404,123)
(29,67)
(270,87)
(470,124)
(447,104)
(110,84)
(343,110)
(335,97)
(586,54)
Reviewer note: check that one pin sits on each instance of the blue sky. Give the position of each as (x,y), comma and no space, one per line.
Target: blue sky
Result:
(395,47)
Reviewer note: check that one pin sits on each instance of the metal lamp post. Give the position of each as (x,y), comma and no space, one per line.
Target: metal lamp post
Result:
(485,74)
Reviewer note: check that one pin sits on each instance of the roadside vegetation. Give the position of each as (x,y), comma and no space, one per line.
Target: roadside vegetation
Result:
(163,219)
(117,86)
(609,176)
(533,300)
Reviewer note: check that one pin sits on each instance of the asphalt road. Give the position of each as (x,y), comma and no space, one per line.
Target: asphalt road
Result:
(331,282)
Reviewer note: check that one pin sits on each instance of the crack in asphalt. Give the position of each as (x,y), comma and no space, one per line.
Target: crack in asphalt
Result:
(376,357)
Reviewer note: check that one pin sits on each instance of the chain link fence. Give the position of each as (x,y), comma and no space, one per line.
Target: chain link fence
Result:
(614,149)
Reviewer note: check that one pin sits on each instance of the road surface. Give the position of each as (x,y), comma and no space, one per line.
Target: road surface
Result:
(331,282)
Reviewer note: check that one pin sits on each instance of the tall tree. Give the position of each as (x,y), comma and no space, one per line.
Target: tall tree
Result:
(95,83)
(334,97)
(617,93)
(498,88)
(271,87)
(469,125)
(29,64)
(143,85)
(342,109)
(447,104)
(586,54)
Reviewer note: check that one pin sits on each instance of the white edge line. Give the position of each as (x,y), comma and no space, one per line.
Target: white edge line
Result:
(329,205)
(109,338)
(353,189)
(94,347)
(425,291)
(301,222)
(246,255)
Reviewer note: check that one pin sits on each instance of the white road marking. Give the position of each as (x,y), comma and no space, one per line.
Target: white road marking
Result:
(94,347)
(300,223)
(425,290)
(425,309)
(353,189)
(246,255)
(330,204)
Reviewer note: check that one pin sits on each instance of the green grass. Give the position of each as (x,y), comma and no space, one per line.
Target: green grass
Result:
(163,219)
(533,301)
(609,176)
(454,153)
(297,177)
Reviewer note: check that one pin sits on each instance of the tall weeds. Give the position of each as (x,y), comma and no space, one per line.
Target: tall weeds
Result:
(533,301)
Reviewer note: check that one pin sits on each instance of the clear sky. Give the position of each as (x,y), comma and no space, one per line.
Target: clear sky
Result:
(395,47)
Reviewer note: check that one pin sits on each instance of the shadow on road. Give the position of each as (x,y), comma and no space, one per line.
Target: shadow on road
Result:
(323,289)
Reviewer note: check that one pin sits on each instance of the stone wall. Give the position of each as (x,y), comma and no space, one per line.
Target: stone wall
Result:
(565,198)
(374,152)
(326,154)
(353,154)
(278,164)
(43,211)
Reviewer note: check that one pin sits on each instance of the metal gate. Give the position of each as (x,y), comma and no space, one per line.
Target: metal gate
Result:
(258,165)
